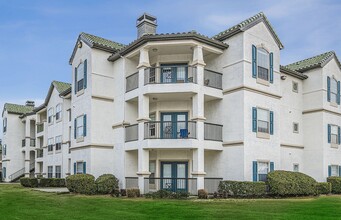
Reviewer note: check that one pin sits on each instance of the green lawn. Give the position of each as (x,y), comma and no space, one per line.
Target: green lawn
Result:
(21,203)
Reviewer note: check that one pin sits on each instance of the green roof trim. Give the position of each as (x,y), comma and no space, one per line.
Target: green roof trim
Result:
(61,86)
(18,109)
(293,73)
(313,62)
(246,24)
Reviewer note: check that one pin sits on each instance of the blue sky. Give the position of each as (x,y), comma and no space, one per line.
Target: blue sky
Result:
(37,37)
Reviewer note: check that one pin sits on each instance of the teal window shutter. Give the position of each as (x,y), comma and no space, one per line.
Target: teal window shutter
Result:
(254,171)
(84,125)
(271,122)
(338,135)
(271,68)
(254,61)
(328,88)
(254,119)
(75,129)
(84,167)
(329,170)
(76,80)
(339,170)
(329,133)
(74,168)
(338,93)
(4,172)
(85,73)
(272,166)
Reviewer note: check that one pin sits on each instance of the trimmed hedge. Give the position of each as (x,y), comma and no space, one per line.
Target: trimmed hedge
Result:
(52,182)
(107,184)
(133,192)
(29,182)
(287,183)
(202,194)
(242,189)
(324,188)
(166,194)
(81,183)
(336,184)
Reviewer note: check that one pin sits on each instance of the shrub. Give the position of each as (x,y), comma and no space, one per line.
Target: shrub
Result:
(52,182)
(166,194)
(29,182)
(242,189)
(107,184)
(133,192)
(336,184)
(123,192)
(324,188)
(202,194)
(81,183)
(287,183)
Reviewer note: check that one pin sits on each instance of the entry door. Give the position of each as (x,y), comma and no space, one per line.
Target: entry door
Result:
(174,176)
(174,73)
(172,124)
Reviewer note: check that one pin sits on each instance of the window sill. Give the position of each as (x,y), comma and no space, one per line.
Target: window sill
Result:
(51,123)
(333,104)
(59,120)
(80,139)
(263,82)
(263,135)
(336,146)
(49,153)
(80,92)
(58,151)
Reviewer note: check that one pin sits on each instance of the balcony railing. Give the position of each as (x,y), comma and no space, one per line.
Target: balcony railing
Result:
(172,184)
(132,132)
(40,128)
(32,142)
(170,74)
(211,184)
(40,153)
(132,182)
(132,82)
(170,130)
(213,132)
(213,79)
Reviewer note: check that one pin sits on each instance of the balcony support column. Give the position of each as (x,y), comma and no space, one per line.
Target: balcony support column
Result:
(198,166)
(27,161)
(143,167)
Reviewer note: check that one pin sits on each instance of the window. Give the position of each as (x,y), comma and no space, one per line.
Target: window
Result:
(50,115)
(334,170)
(4,172)
(296,167)
(333,91)
(263,64)
(295,87)
(4,125)
(152,128)
(334,134)
(80,77)
(80,127)
(263,169)
(263,121)
(69,114)
(152,170)
(58,112)
(295,127)
(4,150)
(49,171)
(58,143)
(80,167)
(50,145)
(58,172)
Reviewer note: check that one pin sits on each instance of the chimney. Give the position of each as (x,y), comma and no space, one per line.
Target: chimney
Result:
(30,103)
(146,24)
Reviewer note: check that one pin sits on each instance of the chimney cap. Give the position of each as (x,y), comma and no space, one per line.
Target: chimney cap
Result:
(147,18)
(30,103)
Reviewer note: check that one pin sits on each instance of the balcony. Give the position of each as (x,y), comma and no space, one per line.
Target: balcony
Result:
(40,128)
(213,132)
(131,133)
(132,82)
(40,153)
(32,142)
(170,130)
(170,74)
(213,79)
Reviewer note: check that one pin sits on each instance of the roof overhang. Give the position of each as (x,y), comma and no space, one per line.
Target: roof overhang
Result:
(293,73)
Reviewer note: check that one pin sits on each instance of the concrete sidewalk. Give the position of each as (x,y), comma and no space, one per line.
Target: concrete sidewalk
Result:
(53,190)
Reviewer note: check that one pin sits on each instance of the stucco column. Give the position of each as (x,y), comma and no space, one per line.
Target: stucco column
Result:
(198,167)
(27,160)
(143,168)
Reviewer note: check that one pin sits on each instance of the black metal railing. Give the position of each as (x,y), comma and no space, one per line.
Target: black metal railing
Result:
(213,132)
(170,74)
(132,182)
(213,79)
(132,82)
(40,153)
(132,132)
(211,184)
(21,172)
(170,130)
(172,184)
(40,128)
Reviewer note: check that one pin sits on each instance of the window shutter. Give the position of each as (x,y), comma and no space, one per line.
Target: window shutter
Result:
(329,133)
(338,93)
(328,88)
(339,170)
(84,167)
(85,73)
(84,125)
(254,61)
(329,170)
(254,119)
(254,171)
(271,68)
(338,135)
(272,166)
(271,122)
(74,168)
(75,129)
(4,172)
(75,80)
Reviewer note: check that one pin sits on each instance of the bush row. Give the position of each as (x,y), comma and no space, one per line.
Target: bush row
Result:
(44,182)
(242,189)
(335,184)
(166,194)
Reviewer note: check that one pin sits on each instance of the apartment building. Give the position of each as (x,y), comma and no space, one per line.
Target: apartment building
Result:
(182,110)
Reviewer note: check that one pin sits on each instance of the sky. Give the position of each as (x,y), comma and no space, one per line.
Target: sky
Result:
(37,36)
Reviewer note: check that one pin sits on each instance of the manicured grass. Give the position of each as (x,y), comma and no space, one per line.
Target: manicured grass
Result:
(17,202)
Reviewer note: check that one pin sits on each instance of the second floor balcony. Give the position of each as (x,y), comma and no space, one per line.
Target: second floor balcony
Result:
(32,142)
